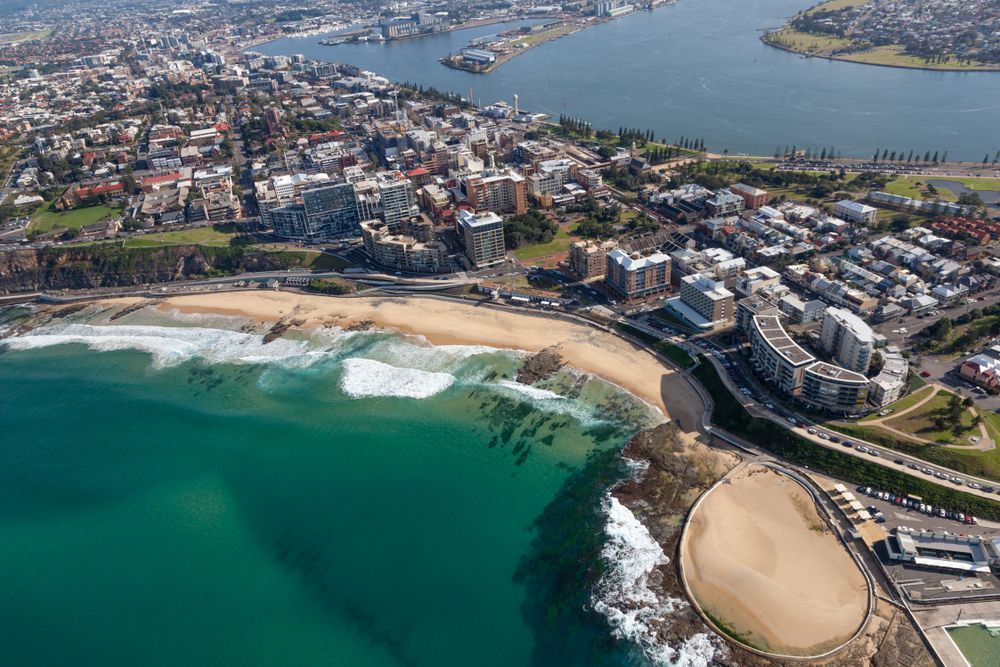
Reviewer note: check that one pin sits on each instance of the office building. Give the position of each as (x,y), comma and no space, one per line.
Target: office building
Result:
(635,277)
(723,203)
(482,235)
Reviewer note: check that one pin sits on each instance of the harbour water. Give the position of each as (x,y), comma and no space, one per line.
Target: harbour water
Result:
(697,68)
(174,491)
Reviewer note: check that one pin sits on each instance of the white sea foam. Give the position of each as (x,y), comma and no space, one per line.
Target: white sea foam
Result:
(170,346)
(415,352)
(367,377)
(532,392)
(624,597)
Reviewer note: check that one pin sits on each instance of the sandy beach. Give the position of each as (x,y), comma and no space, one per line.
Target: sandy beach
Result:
(759,558)
(448,322)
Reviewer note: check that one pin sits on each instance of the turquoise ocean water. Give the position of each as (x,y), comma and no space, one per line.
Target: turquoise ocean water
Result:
(172,491)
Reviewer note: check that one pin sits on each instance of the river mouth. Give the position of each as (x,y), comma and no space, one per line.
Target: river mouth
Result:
(663,70)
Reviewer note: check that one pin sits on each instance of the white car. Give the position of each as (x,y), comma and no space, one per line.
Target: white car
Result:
(812,430)
(824,436)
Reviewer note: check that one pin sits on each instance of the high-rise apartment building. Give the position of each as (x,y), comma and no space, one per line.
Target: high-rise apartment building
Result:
(482,235)
(848,338)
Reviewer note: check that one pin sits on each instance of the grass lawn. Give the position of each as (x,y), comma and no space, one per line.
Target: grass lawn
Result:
(892,54)
(903,403)
(533,39)
(321,261)
(559,244)
(920,422)
(834,5)
(973,183)
(216,235)
(671,320)
(906,186)
(808,42)
(13,37)
(46,218)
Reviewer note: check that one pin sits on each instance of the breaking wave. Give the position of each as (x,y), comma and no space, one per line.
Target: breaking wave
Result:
(535,393)
(624,597)
(170,346)
(364,378)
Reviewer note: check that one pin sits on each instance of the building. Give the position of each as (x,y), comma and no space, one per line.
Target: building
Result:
(327,210)
(855,212)
(775,356)
(749,307)
(397,197)
(550,177)
(799,311)
(588,259)
(482,235)
(635,277)
(846,336)
(499,191)
(723,204)
(611,8)
(939,551)
(983,369)
(479,56)
(890,383)
(409,249)
(752,197)
(782,362)
(757,279)
(705,302)
(833,388)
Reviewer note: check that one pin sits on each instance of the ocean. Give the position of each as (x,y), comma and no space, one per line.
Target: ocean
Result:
(175,491)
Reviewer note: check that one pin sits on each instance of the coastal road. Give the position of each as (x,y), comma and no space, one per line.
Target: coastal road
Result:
(887,457)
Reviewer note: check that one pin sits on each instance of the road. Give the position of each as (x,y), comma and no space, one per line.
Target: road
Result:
(908,465)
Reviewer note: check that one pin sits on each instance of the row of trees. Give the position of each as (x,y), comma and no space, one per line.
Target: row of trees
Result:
(913,156)
(575,126)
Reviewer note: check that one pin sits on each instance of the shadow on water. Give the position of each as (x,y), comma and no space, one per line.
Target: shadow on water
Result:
(562,566)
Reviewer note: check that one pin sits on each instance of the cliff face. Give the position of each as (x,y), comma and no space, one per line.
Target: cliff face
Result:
(107,265)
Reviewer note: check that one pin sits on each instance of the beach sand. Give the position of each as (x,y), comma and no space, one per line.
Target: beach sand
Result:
(450,322)
(760,559)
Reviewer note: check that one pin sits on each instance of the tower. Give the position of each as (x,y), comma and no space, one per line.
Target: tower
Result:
(515,104)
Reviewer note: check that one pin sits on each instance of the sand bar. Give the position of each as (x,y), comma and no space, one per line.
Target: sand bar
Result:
(450,322)
(759,558)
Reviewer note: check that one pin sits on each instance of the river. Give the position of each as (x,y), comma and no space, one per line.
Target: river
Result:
(698,69)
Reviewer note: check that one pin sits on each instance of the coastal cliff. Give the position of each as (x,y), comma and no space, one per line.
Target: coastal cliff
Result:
(106,265)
